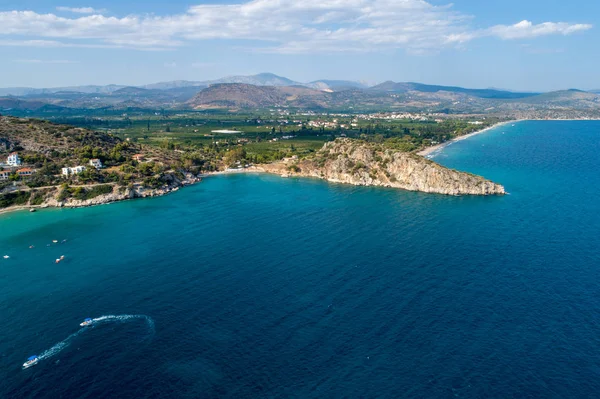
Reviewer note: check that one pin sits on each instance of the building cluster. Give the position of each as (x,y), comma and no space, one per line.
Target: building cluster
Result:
(13,162)
(70,171)
(324,124)
(11,167)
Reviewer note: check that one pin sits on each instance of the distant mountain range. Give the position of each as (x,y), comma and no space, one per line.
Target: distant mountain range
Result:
(267,79)
(267,90)
(481,93)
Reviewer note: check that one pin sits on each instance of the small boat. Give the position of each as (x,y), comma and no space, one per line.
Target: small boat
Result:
(86,322)
(32,210)
(57,261)
(62,257)
(6,256)
(55,241)
(31,361)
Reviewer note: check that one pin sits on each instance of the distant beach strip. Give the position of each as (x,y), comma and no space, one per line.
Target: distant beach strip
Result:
(430,152)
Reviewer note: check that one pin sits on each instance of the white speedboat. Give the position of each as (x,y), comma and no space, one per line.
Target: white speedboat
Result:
(31,361)
(86,322)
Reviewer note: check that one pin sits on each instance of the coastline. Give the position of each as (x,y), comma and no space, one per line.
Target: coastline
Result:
(430,150)
(250,169)
(18,208)
(108,199)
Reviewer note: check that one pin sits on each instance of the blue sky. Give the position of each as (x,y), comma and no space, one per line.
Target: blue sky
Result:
(520,45)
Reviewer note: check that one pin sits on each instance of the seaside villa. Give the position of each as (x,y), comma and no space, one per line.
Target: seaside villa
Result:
(73,171)
(25,172)
(13,159)
(96,163)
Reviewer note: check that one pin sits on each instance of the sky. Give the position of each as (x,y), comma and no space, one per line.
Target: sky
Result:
(534,45)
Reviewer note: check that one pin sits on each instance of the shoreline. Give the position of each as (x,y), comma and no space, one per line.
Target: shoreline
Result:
(104,199)
(429,150)
(426,153)
(17,208)
(250,169)
(438,147)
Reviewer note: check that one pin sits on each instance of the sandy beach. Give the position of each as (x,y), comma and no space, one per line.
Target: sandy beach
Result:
(429,150)
(250,169)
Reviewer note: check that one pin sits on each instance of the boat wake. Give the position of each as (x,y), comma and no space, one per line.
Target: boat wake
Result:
(60,346)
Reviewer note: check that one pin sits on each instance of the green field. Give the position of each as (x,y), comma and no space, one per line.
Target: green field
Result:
(269,136)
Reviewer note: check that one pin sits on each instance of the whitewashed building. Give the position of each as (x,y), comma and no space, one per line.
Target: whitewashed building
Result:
(73,171)
(96,163)
(4,174)
(13,159)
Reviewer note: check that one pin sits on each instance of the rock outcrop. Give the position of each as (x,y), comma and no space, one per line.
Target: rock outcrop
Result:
(367,164)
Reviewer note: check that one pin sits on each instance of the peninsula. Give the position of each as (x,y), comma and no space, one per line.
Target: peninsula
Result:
(369,164)
(51,165)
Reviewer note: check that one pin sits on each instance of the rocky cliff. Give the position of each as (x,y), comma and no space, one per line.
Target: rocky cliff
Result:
(367,164)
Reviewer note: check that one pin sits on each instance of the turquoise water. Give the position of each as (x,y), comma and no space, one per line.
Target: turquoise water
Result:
(257,286)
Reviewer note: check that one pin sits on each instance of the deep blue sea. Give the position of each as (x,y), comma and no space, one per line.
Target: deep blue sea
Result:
(260,287)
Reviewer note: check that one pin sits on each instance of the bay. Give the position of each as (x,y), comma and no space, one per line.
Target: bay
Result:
(257,286)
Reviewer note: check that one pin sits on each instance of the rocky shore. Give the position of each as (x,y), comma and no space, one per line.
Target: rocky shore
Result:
(119,193)
(367,164)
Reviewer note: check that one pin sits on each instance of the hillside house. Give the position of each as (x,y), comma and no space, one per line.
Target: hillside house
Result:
(24,172)
(73,171)
(96,163)
(4,175)
(13,159)
(138,157)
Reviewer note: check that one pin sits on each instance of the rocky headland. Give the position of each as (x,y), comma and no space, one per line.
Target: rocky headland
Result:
(368,164)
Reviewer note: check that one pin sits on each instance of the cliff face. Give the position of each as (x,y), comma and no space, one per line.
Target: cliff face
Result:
(366,164)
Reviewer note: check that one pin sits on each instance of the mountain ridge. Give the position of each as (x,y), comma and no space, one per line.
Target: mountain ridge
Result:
(261,79)
(272,90)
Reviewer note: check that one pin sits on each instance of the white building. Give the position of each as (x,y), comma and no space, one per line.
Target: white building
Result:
(13,159)
(4,175)
(96,163)
(73,171)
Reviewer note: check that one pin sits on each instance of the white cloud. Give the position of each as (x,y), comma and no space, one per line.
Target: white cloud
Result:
(282,26)
(80,10)
(527,30)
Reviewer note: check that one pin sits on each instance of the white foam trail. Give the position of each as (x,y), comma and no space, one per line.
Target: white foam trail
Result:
(58,347)
(124,318)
